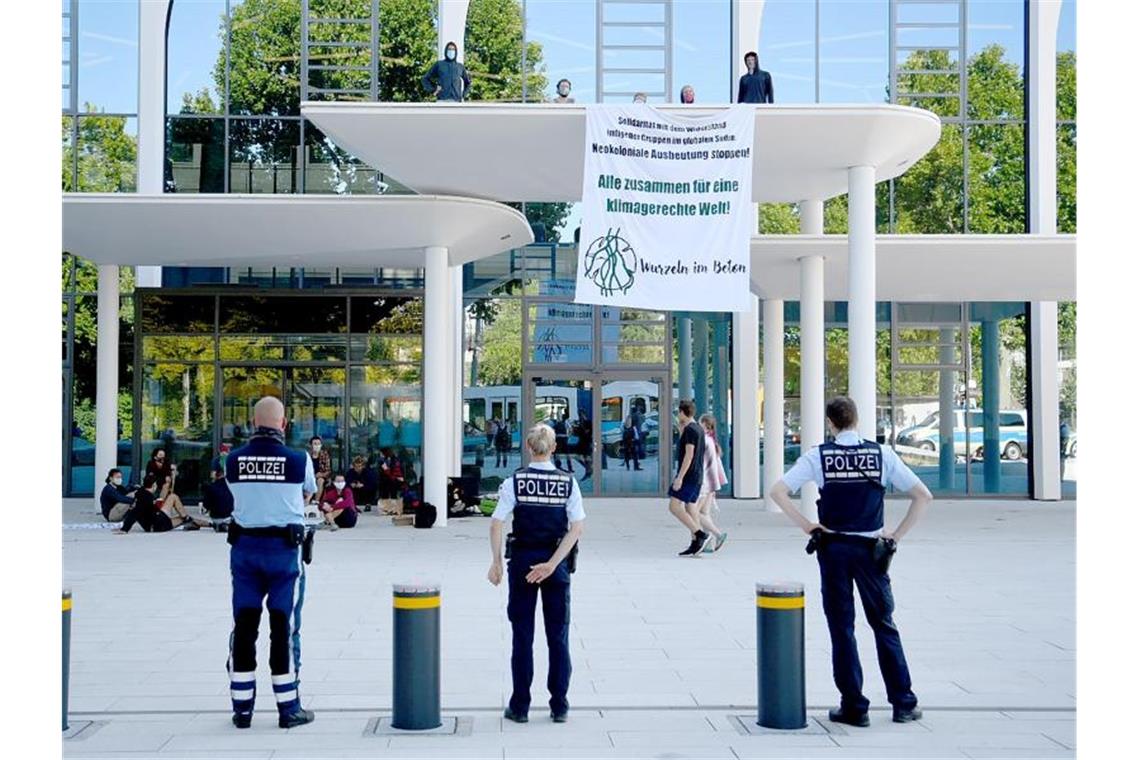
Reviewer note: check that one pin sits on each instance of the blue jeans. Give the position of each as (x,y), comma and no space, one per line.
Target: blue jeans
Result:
(521,601)
(842,561)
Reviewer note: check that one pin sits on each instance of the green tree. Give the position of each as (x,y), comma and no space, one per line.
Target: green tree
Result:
(500,361)
(107,155)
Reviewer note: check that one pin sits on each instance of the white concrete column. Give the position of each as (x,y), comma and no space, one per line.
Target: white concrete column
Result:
(106,373)
(745,402)
(438,389)
(452,25)
(746,18)
(861,295)
(1045,446)
(455,275)
(153,15)
(773,397)
(812,401)
(684,357)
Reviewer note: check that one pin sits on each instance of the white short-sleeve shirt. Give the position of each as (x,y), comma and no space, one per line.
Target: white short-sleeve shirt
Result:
(809,467)
(506,505)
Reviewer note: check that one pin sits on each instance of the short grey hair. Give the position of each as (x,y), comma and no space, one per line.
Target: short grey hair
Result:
(540,439)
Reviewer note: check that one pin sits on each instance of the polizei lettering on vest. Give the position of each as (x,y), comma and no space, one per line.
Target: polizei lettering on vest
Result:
(261,468)
(559,488)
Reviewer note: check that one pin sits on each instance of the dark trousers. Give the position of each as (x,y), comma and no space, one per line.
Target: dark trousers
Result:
(266,569)
(521,602)
(842,561)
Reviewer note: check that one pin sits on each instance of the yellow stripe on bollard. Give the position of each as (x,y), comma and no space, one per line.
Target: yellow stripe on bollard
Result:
(415,602)
(67,604)
(780,602)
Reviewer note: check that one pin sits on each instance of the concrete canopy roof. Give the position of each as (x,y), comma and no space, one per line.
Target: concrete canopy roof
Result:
(295,230)
(534,151)
(927,267)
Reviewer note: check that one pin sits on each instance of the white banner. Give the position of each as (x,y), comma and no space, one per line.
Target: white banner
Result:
(667,214)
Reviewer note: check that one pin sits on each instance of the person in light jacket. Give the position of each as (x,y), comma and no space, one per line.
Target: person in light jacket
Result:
(714,480)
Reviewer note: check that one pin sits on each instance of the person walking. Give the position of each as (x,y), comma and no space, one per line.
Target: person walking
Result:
(714,479)
(270,484)
(685,490)
(852,475)
(545,506)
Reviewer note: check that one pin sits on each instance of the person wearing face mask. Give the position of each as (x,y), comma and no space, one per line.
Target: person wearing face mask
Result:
(563,92)
(322,463)
(115,500)
(338,508)
(448,79)
(688,95)
(639,97)
(756,84)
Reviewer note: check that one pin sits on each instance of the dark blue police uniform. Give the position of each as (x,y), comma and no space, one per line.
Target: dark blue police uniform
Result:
(543,502)
(851,504)
(267,481)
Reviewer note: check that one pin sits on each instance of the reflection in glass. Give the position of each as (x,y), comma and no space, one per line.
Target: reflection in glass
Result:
(314,406)
(108,55)
(177,314)
(566,406)
(701,50)
(853,54)
(177,414)
(283,314)
(264,156)
(630,427)
(195,46)
(997,179)
(566,31)
(265,65)
(107,154)
(195,156)
(929,197)
(328,169)
(177,348)
(385,414)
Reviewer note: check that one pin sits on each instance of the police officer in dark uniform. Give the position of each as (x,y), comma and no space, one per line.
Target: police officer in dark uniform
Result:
(852,546)
(270,485)
(546,505)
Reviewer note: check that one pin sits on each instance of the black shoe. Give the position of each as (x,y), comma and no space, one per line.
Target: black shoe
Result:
(242,720)
(906,716)
(558,717)
(839,715)
(299,718)
(191,525)
(510,714)
(696,545)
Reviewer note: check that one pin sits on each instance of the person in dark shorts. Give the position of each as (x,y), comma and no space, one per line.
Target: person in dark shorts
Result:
(149,516)
(685,490)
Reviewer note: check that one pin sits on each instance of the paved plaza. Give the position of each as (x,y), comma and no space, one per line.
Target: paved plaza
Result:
(663,647)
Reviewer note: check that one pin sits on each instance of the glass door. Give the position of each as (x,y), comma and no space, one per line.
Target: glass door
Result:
(567,405)
(242,387)
(314,405)
(631,420)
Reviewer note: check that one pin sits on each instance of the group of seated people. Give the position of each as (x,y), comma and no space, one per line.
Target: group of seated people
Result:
(155,507)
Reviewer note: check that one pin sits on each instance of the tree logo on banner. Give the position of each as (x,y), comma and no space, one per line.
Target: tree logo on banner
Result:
(611,263)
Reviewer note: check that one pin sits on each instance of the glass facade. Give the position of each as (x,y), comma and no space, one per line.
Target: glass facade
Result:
(345,352)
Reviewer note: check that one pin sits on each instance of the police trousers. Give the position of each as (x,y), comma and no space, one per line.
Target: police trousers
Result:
(266,569)
(521,602)
(841,561)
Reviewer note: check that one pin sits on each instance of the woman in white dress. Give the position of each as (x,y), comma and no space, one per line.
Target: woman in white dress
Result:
(714,479)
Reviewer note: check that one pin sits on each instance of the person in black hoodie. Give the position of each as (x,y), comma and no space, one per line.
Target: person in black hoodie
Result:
(448,79)
(756,85)
(150,518)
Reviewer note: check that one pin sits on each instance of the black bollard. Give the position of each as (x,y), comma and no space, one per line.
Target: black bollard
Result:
(415,657)
(781,698)
(66,650)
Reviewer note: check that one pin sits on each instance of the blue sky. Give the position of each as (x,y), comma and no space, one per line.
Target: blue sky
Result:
(853,47)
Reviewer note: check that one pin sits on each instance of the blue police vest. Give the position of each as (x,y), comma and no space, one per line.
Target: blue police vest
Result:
(851,499)
(540,518)
(266,479)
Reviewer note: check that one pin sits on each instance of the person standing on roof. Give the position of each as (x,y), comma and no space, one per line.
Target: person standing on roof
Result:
(448,79)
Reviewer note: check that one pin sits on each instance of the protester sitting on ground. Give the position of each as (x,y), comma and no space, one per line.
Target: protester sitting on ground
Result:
(337,506)
(116,499)
(157,466)
(152,518)
(563,88)
(362,480)
(218,501)
(322,466)
(167,499)
(391,483)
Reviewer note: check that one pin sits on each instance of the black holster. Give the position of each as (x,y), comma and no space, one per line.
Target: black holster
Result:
(307,545)
(883,553)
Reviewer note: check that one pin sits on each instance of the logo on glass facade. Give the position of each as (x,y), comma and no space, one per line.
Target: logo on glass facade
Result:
(611,263)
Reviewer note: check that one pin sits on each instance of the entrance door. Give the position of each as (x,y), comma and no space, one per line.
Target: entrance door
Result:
(607,427)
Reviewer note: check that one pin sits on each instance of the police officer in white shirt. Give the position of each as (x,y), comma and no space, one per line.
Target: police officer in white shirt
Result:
(852,475)
(545,506)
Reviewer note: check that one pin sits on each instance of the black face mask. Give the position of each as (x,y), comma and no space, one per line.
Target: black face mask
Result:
(268,432)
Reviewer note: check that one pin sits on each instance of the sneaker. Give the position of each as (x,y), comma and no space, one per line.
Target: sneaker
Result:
(333,526)
(242,720)
(720,541)
(190,525)
(906,716)
(510,714)
(839,715)
(299,718)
